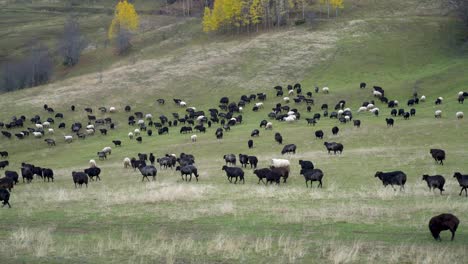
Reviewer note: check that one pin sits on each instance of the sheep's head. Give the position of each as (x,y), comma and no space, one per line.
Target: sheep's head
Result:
(424,177)
(377,174)
(457,175)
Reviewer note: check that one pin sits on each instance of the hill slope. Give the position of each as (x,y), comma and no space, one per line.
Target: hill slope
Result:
(402,46)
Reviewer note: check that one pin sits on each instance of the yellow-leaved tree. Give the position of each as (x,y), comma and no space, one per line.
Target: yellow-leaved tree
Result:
(207,20)
(337,4)
(125,18)
(256,11)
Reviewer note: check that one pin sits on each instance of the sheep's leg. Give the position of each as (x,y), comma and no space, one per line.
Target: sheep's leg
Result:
(307,186)
(320,184)
(461,191)
(190,177)
(235,181)
(453,232)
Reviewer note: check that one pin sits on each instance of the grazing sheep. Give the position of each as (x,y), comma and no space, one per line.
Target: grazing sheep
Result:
(13,175)
(37,134)
(438,114)
(423,98)
(148,170)
(193,138)
(439,100)
(362,109)
(50,131)
(312,175)
(102,155)
(92,163)
(244,160)
(290,118)
(107,150)
(130,135)
(112,109)
(288,149)
(461,99)
(459,115)
(377,94)
(80,178)
(390,122)
(136,132)
(267,174)
(278,138)
(7,183)
(50,142)
(90,131)
(392,178)
(333,146)
(335,130)
(126,162)
(27,173)
(68,139)
(230,159)
(234,172)
(357,123)
(278,163)
(188,170)
(5,197)
(433,182)
(4,163)
(438,155)
(117,143)
(286,99)
(269,125)
(250,143)
(325,90)
(319,134)
(443,222)
(253,161)
(463,181)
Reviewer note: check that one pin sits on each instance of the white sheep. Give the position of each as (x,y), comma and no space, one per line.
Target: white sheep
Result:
(290,118)
(423,98)
(373,110)
(325,90)
(68,139)
(107,150)
(182,103)
(173,155)
(148,116)
(259,105)
(200,118)
(241,109)
(112,109)
(396,102)
(347,109)
(291,113)
(459,115)
(362,109)
(233,119)
(39,126)
(92,163)
(90,131)
(291,92)
(286,99)
(438,114)
(347,118)
(269,125)
(136,132)
(90,127)
(460,93)
(440,98)
(46,124)
(37,134)
(51,131)
(127,162)
(370,106)
(130,135)
(141,122)
(377,94)
(193,138)
(192,107)
(340,112)
(280,163)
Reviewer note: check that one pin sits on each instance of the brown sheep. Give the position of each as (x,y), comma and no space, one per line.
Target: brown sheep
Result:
(282,171)
(443,222)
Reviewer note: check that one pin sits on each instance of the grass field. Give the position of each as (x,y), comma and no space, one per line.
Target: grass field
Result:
(401,46)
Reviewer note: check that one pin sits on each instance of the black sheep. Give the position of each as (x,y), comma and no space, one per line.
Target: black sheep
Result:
(335,130)
(12,175)
(253,161)
(288,149)
(148,170)
(188,170)
(262,174)
(278,138)
(438,155)
(389,121)
(4,154)
(234,172)
(80,178)
(5,197)
(255,133)
(282,171)
(319,134)
(230,158)
(306,164)
(357,123)
(244,160)
(333,146)
(250,143)
(463,181)
(27,173)
(117,143)
(312,175)
(93,172)
(392,178)
(48,173)
(433,182)
(7,183)
(443,222)
(151,158)
(4,163)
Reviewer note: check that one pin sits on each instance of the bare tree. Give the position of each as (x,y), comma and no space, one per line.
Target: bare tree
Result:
(123,41)
(72,42)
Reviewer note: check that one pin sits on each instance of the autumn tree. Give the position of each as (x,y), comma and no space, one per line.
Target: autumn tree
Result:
(125,22)
(337,4)
(256,11)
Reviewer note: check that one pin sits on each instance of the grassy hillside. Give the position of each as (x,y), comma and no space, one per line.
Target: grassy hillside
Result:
(401,46)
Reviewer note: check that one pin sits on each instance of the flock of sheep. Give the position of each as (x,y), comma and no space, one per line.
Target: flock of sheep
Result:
(226,115)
